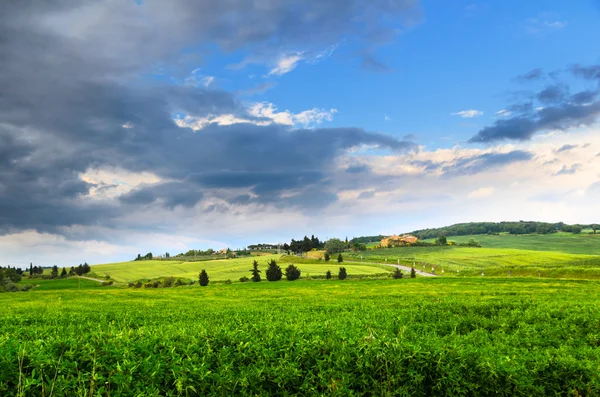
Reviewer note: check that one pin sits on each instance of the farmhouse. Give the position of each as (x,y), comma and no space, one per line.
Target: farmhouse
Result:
(398,240)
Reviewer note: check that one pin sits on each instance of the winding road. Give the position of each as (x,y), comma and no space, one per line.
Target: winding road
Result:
(401,267)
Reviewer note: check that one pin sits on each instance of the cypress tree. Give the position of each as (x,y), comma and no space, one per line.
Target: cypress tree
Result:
(203,278)
(340,258)
(413,274)
(63,273)
(342,274)
(274,271)
(292,273)
(327,257)
(397,273)
(328,275)
(255,272)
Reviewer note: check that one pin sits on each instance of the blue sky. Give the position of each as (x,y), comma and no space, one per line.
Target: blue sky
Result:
(150,126)
(462,55)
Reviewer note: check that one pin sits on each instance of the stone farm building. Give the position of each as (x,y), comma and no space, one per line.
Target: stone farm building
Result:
(398,240)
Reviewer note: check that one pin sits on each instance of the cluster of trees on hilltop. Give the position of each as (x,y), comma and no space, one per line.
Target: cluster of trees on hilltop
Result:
(520,227)
(367,239)
(304,245)
(55,272)
(263,246)
(9,279)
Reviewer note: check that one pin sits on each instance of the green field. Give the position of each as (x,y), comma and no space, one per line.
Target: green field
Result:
(559,242)
(228,269)
(493,261)
(421,337)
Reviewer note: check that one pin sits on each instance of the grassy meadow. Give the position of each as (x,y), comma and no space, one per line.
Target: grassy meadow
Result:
(588,244)
(560,255)
(419,337)
(218,270)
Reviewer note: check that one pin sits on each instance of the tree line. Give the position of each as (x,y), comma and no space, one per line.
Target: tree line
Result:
(10,277)
(55,273)
(475,228)
(520,227)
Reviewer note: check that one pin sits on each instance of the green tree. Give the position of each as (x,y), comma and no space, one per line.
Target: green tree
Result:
(328,275)
(576,229)
(327,257)
(72,271)
(30,269)
(306,244)
(441,240)
(273,271)
(203,278)
(292,273)
(340,258)
(397,273)
(342,274)
(54,272)
(334,246)
(255,272)
(63,273)
(413,273)
(595,227)
(86,268)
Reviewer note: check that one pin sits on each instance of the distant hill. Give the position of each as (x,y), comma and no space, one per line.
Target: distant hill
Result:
(478,228)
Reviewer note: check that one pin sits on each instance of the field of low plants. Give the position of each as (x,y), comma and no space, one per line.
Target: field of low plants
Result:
(559,242)
(218,270)
(419,337)
(467,261)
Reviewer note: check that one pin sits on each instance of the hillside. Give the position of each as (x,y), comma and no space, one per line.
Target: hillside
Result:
(218,270)
(559,242)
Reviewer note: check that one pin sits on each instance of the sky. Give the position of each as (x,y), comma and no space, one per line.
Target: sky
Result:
(141,126)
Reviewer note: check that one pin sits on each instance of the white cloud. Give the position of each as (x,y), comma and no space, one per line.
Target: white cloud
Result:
(269,111)
(308,118)
(112,182)
(267,114)
(503,113)
(481,193)
(286,64)
(544,22)
(197,79)
(289,61)
(386,117)
(468,114)
(127,125)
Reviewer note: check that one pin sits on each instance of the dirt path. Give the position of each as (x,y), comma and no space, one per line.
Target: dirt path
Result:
(93,279)
(401,267)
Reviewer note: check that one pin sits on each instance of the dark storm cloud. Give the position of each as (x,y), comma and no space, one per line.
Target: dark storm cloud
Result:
(522,128)
(357,169)
(591,72)
(568,170)
(566,148)
(476,164)
(534,74)
(557,110)
(553,93)
(82,88)
(583,97)
(171,194)
(520,107)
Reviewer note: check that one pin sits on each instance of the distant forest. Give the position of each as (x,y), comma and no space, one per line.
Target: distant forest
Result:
(474,228)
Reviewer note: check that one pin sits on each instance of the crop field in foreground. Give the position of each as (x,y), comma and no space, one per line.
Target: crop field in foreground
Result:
(224,269)
(493,261)
(420,337)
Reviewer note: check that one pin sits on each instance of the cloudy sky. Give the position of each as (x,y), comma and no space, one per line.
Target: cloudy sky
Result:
(134,126)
